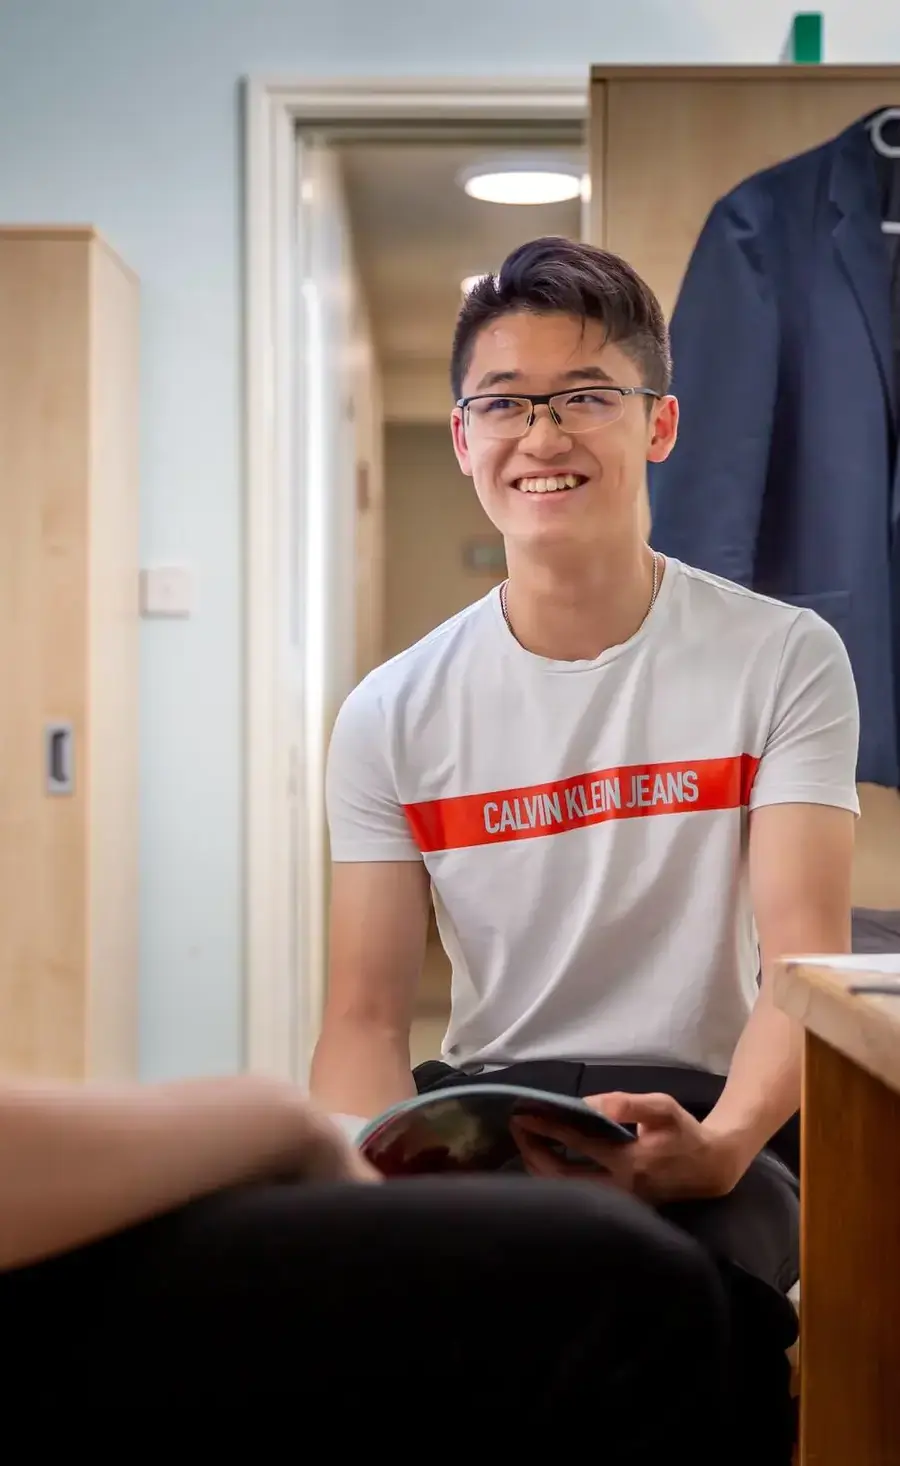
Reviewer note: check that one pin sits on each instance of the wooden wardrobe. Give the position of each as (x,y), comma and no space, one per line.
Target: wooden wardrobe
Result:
(665,143)
(69,656)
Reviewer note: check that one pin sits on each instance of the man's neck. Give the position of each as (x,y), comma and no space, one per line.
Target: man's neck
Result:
(572,609)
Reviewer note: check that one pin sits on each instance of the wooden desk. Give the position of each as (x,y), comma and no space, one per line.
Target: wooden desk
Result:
(850,1247)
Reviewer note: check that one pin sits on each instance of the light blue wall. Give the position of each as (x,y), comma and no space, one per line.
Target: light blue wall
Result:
(125,114)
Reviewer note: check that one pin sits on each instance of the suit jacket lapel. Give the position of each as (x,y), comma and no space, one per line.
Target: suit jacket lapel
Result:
(860,245)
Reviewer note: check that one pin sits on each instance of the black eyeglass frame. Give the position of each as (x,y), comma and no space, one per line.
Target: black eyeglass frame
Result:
(546,399)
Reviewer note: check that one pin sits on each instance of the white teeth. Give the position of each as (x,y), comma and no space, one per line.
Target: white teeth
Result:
(548,485)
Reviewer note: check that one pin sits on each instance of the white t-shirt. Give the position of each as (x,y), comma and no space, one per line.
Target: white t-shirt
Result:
(584,823)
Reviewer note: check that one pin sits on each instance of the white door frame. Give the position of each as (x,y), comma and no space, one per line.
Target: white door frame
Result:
(273,970)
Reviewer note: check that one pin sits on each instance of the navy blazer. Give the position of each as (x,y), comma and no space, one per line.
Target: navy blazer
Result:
(784,477)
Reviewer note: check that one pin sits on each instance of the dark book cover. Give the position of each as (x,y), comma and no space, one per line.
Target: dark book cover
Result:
(468,1129)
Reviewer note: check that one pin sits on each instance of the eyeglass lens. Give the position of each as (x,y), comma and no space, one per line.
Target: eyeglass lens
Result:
(576,412)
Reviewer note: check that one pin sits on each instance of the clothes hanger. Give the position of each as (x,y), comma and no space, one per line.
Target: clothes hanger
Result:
(887,150)
(876,129)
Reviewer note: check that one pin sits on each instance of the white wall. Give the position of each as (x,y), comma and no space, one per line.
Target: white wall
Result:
(125,113)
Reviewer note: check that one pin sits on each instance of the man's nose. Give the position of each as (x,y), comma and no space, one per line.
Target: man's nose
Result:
(545,438)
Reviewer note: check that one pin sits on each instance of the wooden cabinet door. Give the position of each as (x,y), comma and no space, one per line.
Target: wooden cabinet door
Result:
(665,144)
(664,148)
(69,654)
(44,455)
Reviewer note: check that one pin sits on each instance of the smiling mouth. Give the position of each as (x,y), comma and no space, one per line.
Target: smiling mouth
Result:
(550,484)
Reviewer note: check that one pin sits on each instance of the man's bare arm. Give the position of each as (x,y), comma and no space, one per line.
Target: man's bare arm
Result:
(800,868)
(378,930)
(77,1164)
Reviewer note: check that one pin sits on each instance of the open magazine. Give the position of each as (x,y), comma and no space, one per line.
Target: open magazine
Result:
(468,1129)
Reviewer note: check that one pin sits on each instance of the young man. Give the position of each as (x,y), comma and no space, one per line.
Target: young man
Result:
(629,786)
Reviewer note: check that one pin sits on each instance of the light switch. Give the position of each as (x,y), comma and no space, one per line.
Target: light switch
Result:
(167,590)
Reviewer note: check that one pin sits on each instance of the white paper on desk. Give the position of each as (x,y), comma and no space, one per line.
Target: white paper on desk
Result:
(888,962)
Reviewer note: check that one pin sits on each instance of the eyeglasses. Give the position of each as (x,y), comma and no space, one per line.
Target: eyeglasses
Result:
(493,416)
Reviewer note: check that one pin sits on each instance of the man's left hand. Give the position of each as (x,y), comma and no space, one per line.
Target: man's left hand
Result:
(673,1158)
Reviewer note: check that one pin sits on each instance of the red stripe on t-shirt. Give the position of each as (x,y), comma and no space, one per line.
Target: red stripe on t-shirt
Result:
(628,792)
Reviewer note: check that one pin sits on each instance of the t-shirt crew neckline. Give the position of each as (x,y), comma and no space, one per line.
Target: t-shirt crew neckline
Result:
(514,648)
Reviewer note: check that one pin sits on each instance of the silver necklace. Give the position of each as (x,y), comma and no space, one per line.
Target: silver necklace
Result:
(657,561)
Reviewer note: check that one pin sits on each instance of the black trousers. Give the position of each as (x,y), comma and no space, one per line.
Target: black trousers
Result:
(756,1227)
(752,1235)
(526,1310)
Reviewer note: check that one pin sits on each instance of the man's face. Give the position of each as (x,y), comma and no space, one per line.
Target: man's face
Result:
(514,476)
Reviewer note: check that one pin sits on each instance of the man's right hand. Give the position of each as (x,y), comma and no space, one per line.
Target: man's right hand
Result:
(321,1151)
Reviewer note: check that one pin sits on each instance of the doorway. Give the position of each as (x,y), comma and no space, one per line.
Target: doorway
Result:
(420,241)
(346,409)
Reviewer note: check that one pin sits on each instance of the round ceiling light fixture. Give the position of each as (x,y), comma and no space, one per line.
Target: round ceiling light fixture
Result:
(469,283)
(523,180)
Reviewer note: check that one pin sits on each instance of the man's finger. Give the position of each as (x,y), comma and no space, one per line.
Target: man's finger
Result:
(539,1159)
(607,1162)
(604,1152)
(538,1125)
(637,1109)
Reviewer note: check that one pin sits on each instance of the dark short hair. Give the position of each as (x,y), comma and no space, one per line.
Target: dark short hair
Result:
(561,276)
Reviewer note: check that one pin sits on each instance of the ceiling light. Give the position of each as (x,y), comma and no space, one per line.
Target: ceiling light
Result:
(523,181)
(469,283)
(523,188)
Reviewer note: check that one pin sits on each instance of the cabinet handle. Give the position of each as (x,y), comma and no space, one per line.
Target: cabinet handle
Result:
(59,760)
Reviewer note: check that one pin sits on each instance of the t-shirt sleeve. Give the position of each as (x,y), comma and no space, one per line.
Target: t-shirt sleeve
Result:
(811,749)
(365,817)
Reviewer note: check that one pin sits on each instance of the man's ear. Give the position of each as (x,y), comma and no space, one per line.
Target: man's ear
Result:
(663,429)
(460,446)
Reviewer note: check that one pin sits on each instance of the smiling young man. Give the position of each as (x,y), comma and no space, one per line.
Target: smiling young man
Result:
(629,787)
